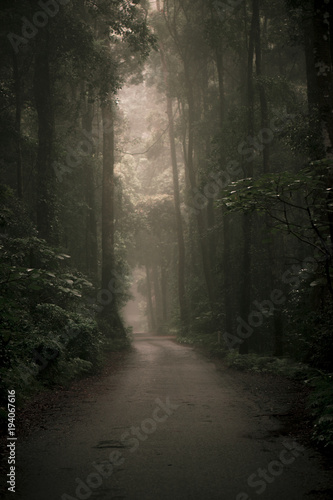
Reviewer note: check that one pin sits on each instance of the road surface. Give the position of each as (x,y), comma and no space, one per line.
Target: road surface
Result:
(167,426)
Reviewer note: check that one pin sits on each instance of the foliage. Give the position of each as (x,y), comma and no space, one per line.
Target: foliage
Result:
(321,406)
(309,332)
(267,364)
(297,202)
(49,334)
(200,339)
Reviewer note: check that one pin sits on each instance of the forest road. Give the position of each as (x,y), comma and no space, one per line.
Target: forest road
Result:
(168,425)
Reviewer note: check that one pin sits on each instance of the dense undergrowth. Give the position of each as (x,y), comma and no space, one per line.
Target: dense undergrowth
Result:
(320,401)
(50,330)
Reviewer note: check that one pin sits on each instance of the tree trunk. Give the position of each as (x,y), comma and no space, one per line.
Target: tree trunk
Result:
(323,68)
(108,196)
(18,113)
(202,229)
(220,74)
(151,313)
(261,85)
(311,77)
(45,174)
(164,294)
(323,58)
(277,323)
(210,211)
(246,289)
(227,279)
(158,300)
(110,312)
(179,223)
(91,226)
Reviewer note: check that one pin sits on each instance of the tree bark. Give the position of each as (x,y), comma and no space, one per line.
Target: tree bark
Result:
(164,293)
(246,289)
(202,228)
(277,323)
(45,174)
(176,195)
(322,18)
(227,280)
(261,85)
(323,68)
(108,196)
(18,114)
(91,226)
(151,312)
(158,300)
(110,312)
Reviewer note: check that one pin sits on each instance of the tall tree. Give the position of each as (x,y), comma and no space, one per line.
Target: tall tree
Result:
(247,219)
(177,16)
(45,113)
(176,192)
(18,119)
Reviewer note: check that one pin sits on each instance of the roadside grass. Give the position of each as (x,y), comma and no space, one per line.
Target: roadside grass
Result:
(319,403)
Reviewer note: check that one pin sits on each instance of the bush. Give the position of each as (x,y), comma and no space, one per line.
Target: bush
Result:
(321,407)
(49,334)
(268,364)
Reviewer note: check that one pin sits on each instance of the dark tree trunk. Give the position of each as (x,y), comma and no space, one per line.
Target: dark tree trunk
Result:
(151,312)
(109,281)
(227,279)
(246,290)
(202,228)
(176,194)
(278,334)
(211,233)
(108,196)
(277,323)
(311,77)
(324,70)
(45,174)
(211,238)
(18,113)
(91,226)
(323,58)
(220,74)
(227,275)
(317,151)
(261,85)
(158,299)
(164,294)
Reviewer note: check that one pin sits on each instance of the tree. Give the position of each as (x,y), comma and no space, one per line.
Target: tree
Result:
(176,193)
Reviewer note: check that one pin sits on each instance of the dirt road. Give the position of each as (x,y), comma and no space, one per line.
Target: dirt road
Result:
(167,426)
